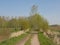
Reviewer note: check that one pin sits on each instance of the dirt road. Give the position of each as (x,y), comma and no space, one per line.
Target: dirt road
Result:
(34,40)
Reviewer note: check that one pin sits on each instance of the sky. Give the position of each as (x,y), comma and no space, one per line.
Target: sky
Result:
(49,9)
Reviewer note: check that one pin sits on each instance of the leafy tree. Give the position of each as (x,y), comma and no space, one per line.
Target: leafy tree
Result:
(23,23)
(45,25)
(37,21)
(13,23)
(2,22)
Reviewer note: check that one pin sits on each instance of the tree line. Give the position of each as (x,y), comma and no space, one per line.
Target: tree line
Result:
(33,21)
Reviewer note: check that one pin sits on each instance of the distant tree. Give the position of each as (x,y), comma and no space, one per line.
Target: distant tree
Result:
(2,22)
(23,23)
(34,10)
(45,25)
(13,23)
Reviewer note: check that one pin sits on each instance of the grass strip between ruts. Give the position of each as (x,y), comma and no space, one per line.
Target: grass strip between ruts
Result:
(28,41)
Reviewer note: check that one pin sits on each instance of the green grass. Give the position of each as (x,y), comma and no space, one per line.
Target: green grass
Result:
(14,40)
(28,41)
(44,40)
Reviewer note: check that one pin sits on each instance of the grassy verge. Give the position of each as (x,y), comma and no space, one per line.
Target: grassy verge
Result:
(44,40)
(13,41)
(28,41)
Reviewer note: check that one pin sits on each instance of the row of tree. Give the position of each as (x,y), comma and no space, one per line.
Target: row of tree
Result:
(33,21)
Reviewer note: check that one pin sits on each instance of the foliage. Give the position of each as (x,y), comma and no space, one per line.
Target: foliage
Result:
(14,23)
(23,23)
(38,22)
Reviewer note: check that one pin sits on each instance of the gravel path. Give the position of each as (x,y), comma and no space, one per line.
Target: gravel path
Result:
(34,40)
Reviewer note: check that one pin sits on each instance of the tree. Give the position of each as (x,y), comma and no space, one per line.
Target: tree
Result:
(45,25)
(4,33)
(37,21)
(2,22)
(13,23)
(34,10)
(23,23)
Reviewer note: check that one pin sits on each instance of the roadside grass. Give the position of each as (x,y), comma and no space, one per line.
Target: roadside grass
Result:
(44,40)
(14,40)
(28,41)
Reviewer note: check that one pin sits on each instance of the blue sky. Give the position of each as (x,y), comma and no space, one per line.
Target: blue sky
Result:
(49,9)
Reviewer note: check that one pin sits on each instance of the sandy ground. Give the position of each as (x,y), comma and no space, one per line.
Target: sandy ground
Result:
(34,40)
(16,34)
(23,41)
